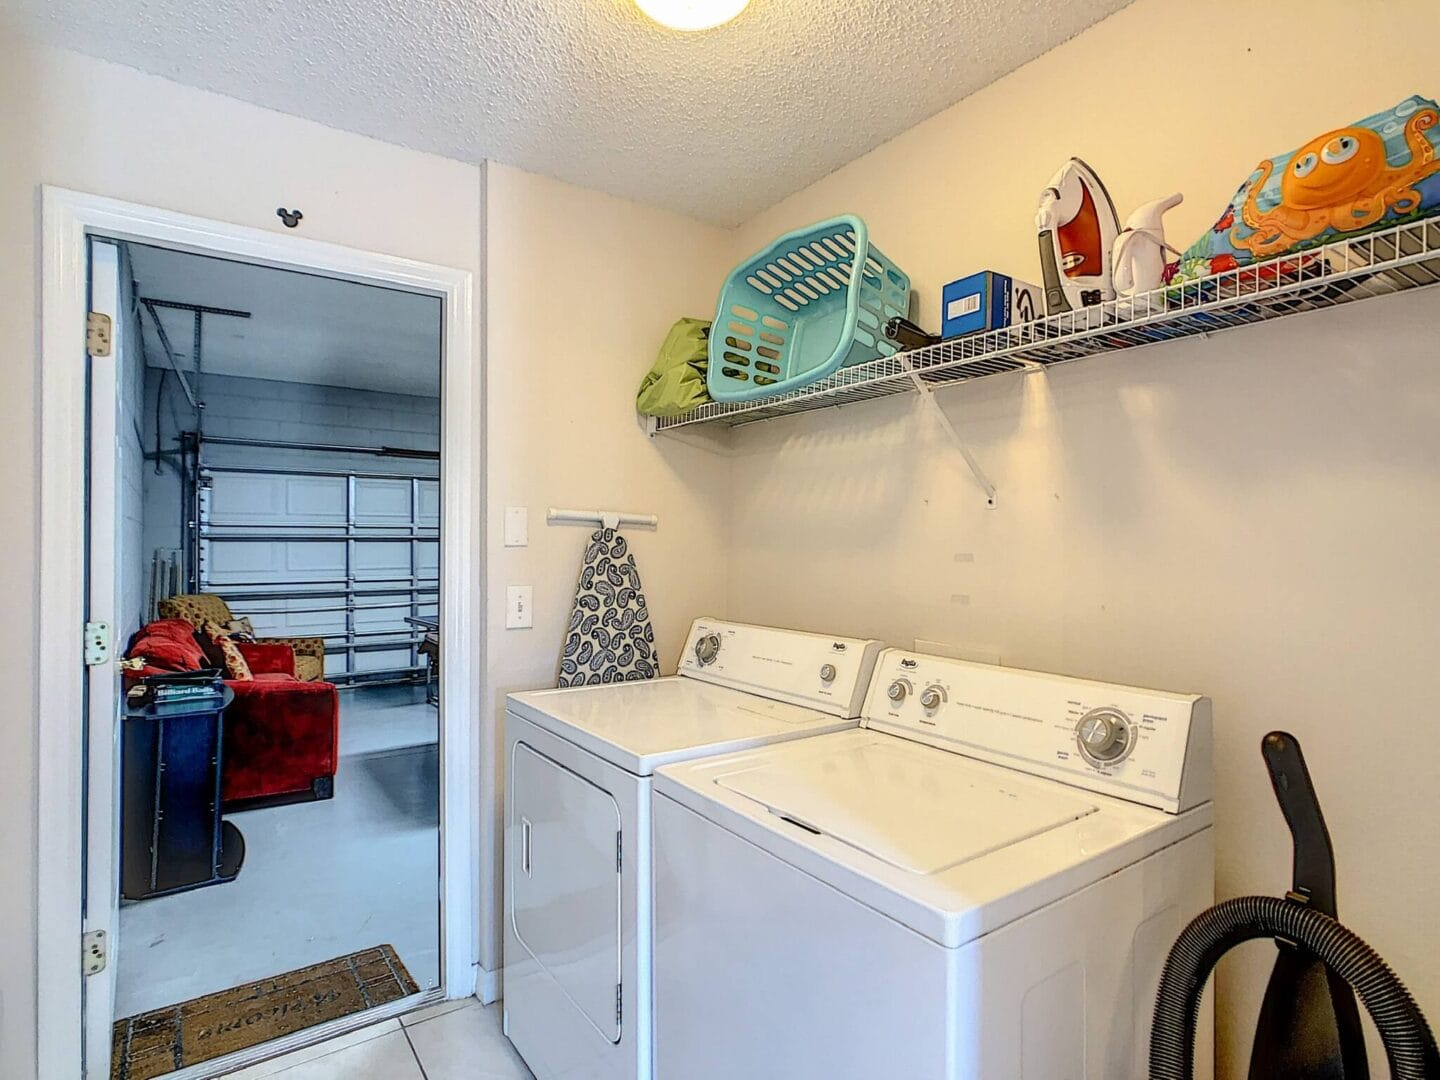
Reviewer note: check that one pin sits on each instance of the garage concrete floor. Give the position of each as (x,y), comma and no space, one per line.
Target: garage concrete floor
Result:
(320,879)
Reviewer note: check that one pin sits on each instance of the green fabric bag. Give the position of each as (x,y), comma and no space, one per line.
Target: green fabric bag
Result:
(675,383)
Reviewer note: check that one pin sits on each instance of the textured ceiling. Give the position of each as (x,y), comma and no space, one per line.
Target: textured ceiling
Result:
(302,328)
(716,125)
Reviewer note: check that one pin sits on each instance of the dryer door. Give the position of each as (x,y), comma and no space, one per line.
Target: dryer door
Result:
(565,882)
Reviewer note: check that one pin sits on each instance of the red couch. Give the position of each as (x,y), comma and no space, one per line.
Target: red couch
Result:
(282,736)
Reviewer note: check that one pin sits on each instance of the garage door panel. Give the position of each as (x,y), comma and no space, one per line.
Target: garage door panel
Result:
(254,500)
(294,616)
(387,618)
(382,660)
(229,563)
(382,560)
(315,500)
(427,558)
(382,503)
(322,560)
(429,511)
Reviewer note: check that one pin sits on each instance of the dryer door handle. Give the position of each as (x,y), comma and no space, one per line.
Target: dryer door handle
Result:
(527,842)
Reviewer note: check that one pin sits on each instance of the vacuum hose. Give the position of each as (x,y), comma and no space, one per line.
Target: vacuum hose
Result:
(1409,1043)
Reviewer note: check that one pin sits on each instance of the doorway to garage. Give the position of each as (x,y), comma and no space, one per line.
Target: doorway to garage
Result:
(79,691)
(276,492)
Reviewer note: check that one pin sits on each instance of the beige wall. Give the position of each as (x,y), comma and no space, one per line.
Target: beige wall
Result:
(1254,516)
(582,288)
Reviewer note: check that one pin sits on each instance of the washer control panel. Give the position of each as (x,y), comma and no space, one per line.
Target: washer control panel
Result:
(819,671)
(1148,746)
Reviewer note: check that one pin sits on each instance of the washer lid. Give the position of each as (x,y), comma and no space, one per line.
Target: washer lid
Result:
(872,825)
(640,726)
(923,813)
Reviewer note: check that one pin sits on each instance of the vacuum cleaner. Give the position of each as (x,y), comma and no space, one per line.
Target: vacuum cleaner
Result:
(1309,1026)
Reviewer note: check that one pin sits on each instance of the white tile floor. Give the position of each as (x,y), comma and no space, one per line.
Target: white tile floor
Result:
(320,879)
(459,1040)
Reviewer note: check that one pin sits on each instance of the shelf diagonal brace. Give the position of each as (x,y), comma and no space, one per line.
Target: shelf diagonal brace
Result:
(927,395)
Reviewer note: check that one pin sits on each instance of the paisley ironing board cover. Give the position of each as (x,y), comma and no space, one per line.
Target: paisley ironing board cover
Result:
(609,638)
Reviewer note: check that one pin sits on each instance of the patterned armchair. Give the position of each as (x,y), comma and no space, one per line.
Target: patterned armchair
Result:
(200,608)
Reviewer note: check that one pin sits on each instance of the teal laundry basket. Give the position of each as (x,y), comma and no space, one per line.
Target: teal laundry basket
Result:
(814,301)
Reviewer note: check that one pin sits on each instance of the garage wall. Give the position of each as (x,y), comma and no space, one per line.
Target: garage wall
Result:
(129,426)
(1253,516)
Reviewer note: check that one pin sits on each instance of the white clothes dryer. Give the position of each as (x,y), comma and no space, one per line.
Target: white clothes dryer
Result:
(577,974)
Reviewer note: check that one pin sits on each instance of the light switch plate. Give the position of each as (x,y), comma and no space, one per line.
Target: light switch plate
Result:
(519,599)
(517,526)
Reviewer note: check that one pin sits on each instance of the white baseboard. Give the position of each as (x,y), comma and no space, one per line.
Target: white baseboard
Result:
(487,985)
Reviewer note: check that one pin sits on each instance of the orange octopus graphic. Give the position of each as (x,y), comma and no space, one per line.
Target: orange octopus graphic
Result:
(1339,181)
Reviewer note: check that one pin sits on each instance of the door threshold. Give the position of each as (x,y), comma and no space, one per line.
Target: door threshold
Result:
(300,1040)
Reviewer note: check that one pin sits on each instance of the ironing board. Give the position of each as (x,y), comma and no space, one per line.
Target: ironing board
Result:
(609,638)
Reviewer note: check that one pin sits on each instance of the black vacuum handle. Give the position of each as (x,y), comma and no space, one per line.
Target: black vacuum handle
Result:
(1314,866)
(1309,1026)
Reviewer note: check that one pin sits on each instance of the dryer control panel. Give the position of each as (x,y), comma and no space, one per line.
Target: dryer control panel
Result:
(1148,746)
(821,672)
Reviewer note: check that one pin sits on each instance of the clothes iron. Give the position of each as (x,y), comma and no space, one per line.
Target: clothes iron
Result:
(1078,226)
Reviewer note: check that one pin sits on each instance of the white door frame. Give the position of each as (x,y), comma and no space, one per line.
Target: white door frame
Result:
(103,576)
(68,218)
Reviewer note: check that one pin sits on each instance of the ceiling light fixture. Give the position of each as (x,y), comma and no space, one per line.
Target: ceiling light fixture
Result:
(692,14)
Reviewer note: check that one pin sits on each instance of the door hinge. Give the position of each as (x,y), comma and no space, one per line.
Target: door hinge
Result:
(619,852)
(92,952)
(619,1006)
(97,643)
(97,333)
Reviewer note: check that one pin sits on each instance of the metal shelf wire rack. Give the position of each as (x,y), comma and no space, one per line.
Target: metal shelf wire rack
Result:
(1396,260)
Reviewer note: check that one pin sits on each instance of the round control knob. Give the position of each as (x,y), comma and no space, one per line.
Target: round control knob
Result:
(1105,736)
(707,649)
(932,698)
(898,692)
(827,673)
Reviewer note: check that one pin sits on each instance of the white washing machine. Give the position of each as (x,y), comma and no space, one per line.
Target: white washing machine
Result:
(577,993)
(979,883)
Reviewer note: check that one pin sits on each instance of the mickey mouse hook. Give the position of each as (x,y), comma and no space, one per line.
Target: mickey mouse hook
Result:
(291,218)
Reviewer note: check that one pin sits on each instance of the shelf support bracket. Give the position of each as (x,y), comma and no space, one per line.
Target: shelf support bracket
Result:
(927,395)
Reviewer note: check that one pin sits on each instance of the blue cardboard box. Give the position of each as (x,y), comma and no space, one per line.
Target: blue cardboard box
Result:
(987,301)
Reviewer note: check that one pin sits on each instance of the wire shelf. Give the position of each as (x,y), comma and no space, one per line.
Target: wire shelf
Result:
(1396,260)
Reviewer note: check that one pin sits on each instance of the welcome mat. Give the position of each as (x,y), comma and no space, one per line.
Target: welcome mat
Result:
(155,1043)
